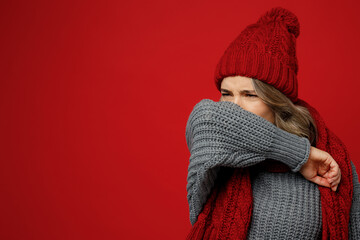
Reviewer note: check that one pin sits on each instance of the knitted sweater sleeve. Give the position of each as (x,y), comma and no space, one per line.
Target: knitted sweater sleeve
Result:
(222,134)
(354,223)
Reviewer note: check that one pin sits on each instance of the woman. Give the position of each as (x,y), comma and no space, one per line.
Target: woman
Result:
(263,164)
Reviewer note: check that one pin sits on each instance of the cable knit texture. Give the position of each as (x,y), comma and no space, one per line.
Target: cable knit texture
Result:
(265,50)
(234,193)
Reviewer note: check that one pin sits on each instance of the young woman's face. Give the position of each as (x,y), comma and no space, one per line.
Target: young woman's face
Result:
(239,90)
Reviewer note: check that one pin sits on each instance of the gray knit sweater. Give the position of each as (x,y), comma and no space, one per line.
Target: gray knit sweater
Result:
(286,205)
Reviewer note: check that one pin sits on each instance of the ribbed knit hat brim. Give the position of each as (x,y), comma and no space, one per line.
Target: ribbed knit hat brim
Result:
(265,51)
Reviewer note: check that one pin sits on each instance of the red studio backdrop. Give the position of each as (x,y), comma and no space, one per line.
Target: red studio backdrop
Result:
(95,96)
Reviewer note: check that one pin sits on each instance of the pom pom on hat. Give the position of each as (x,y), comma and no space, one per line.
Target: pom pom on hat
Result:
(265,51)
(284,16)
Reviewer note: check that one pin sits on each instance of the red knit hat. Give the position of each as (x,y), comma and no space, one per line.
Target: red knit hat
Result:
(266,51)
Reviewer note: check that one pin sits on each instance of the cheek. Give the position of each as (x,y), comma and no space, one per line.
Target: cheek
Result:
(259,108)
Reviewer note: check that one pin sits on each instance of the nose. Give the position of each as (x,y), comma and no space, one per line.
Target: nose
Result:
(237,100)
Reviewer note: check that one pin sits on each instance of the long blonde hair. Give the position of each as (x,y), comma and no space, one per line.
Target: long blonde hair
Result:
(292,118)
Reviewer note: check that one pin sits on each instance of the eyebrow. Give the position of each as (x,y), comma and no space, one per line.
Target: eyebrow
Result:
(243,91)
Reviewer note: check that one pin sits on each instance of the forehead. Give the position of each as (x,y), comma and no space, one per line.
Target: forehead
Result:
(237,83)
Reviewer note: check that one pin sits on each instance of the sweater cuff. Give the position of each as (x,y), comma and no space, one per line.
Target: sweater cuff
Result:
(289,149)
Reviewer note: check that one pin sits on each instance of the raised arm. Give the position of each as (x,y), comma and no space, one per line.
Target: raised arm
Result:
(224,134)
(354,223)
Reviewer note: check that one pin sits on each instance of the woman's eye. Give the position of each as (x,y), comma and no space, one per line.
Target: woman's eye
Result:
(247,95)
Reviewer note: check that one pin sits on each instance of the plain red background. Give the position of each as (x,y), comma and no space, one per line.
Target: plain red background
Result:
(95,96)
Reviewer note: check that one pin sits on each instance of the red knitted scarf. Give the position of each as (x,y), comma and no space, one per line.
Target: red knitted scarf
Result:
(227,212)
